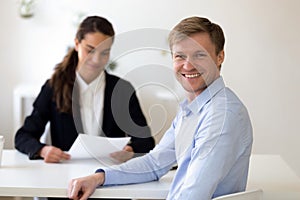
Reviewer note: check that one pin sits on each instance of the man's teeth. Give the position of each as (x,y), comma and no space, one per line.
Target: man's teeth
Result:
(191,75)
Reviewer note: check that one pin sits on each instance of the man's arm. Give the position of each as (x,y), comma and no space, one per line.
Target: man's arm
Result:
(141,169)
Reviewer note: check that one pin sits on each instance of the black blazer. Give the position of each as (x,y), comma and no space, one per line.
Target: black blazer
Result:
(122,116)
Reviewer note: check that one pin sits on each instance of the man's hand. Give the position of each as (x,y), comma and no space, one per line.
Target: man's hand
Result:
(124,155)
(53,154)
(82,188)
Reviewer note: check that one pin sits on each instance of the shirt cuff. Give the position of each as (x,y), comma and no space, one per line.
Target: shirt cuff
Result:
(99,171)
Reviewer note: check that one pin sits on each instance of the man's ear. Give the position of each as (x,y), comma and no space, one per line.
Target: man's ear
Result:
(220,58)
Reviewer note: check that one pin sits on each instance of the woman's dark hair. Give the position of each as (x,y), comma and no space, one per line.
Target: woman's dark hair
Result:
(63,78)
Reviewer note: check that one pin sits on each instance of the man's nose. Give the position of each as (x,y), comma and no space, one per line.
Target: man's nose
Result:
(188,64)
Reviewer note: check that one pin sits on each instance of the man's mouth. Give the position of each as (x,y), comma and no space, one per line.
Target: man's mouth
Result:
(195,75)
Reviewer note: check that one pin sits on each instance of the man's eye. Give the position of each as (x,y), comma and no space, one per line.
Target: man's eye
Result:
(179,56)
(105,53)
(200,55)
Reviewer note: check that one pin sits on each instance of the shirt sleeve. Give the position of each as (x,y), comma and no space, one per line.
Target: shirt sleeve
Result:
(146,168)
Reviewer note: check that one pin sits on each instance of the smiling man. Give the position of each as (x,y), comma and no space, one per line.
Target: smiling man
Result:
(210,138)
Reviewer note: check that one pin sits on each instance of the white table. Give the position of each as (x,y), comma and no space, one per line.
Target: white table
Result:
(20,177)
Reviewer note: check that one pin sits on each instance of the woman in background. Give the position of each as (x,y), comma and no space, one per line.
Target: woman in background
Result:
(81,97)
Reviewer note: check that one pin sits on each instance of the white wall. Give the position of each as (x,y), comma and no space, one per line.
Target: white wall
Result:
(262,47)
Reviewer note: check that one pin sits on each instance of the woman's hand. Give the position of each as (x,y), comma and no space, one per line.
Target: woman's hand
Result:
(124,155)
(83,188)
(53,154)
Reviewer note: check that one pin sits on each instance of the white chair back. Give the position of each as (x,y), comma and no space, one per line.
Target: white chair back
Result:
(247,195)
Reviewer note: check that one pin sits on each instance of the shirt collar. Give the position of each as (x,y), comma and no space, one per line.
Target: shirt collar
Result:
(196,105)
(83,86)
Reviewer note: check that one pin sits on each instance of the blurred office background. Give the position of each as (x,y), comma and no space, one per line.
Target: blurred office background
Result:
(262,48)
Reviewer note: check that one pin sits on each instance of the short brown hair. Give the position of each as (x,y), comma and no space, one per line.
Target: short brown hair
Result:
(193,25)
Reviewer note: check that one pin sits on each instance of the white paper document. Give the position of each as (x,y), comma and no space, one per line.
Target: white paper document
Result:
(87,146)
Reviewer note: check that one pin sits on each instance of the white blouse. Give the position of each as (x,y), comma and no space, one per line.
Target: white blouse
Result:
(91,104)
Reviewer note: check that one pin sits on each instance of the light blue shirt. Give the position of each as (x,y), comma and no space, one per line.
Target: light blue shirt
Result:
(210,139)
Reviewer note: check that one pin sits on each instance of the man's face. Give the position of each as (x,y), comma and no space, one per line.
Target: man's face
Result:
(196,64)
